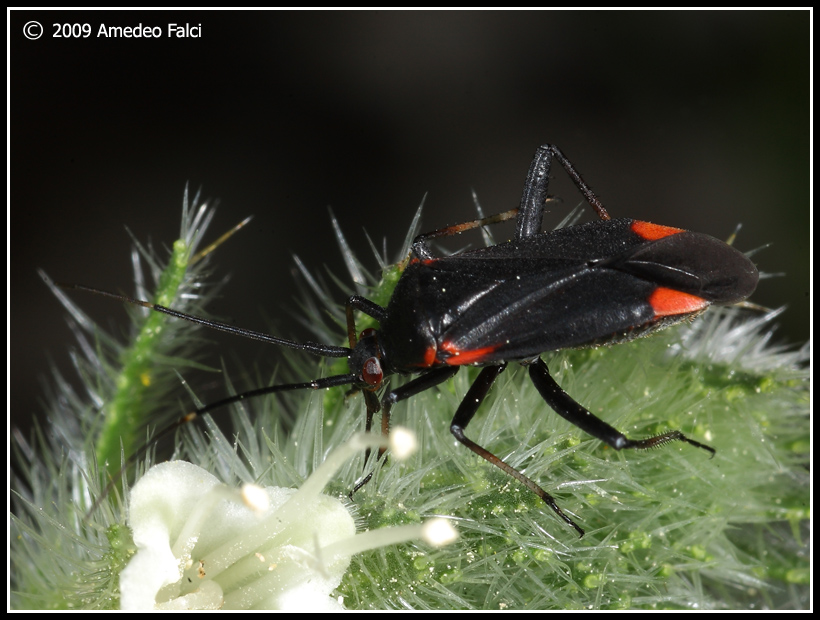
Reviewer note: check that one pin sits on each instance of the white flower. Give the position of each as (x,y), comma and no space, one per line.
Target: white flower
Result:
(203,545)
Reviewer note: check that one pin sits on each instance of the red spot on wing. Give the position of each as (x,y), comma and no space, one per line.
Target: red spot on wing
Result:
(460,358)
(652,232)
(669,302)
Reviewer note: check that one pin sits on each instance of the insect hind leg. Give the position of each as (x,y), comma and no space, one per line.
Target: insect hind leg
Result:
(567,408)
(531,210)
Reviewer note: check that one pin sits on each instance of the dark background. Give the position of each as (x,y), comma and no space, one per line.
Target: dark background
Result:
(692,119)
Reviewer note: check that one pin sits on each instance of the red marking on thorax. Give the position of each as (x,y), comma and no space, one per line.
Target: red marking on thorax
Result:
(426,261)
(429,356)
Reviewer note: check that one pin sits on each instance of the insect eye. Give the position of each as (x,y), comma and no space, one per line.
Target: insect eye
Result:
(372,371)
(367,332)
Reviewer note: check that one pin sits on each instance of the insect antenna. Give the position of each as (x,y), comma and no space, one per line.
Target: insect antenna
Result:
(313,348)
(316,384)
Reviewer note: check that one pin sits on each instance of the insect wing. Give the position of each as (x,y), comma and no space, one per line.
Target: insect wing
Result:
(691,263)
(597,283)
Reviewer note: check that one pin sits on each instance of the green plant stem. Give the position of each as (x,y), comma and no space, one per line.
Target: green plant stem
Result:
(125,415)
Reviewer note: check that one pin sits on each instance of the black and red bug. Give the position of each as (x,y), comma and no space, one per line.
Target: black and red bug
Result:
(598,283)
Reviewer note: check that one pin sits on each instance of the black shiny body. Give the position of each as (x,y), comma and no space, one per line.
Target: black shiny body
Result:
(573,287)
(603,282)
(598,283)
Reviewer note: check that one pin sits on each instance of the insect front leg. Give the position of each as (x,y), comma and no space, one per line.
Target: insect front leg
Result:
(416,386)
(465,412)
(567,408)
(362,304)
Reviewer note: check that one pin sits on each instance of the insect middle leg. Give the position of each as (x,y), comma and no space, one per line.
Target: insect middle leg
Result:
(421,250)
(465,412)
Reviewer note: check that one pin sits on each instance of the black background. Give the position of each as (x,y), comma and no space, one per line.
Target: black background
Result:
(692,119)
